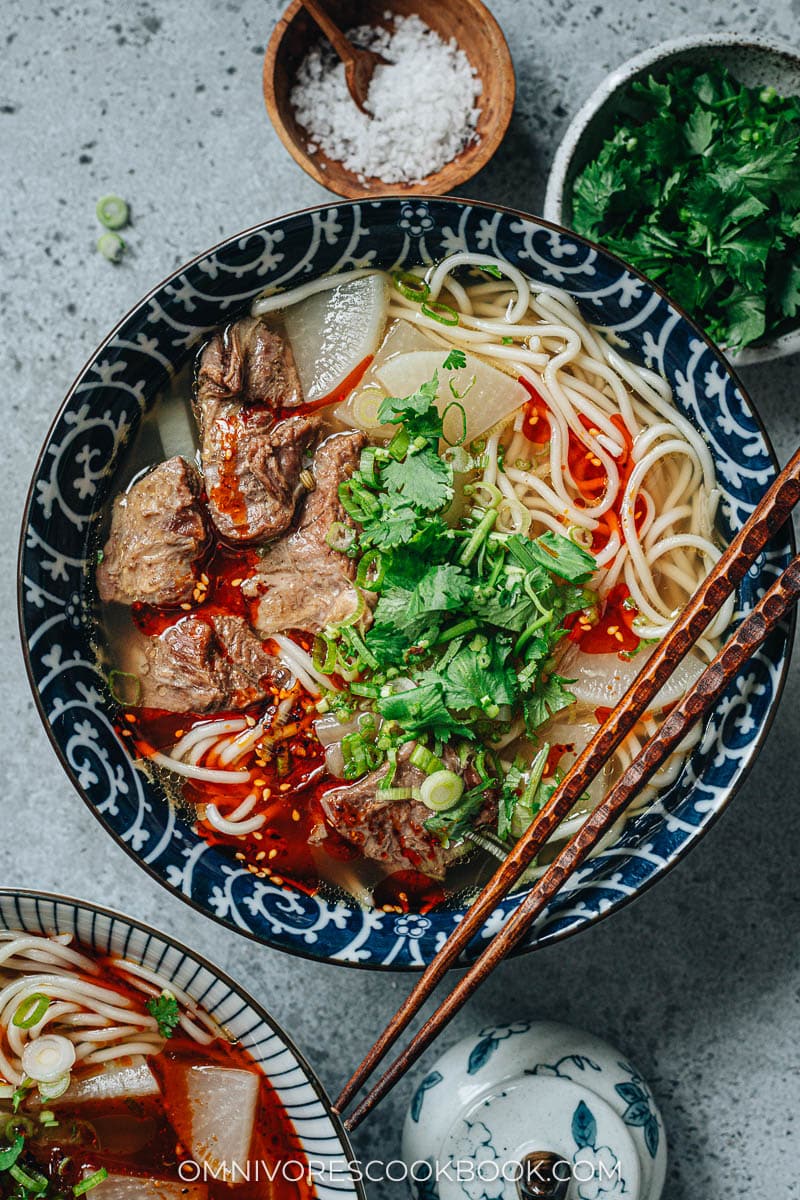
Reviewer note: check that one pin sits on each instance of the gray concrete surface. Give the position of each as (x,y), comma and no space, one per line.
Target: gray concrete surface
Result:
(160,100)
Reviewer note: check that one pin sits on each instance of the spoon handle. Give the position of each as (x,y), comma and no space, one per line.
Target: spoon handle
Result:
(342,45)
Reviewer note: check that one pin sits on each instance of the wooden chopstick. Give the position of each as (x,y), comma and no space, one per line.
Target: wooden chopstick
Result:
(698,700)
(767,518)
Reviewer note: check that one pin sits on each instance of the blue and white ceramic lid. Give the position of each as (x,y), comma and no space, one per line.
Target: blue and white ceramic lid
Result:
(498,1103)
(321,1139)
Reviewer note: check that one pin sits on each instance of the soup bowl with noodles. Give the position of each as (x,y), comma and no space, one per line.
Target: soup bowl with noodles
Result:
(345,541)
(131,1067)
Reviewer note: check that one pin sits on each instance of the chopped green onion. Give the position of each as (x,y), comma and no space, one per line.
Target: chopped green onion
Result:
(463,411)
(398,446)
(113,212)
(92,1181)
(370,690)
(460,395)
(492,269)
(364,653)
(324,654)
(397,793)
(441,790)
(52,1091)
(47,1118)
(410,285)
(21,1093)
(507,341)
(355,616)
(422,757)
(111,246)
(371,571)
(479,536)
(10,1156)
(340,536)
(30,1011)
(129,694)
(442,313)
(29,1179)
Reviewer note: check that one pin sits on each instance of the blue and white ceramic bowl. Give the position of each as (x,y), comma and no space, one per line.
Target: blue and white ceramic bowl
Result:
(74,477)
(320,1136)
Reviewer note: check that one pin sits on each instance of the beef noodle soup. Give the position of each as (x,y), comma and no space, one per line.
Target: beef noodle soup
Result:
(376,570)
(113,1083)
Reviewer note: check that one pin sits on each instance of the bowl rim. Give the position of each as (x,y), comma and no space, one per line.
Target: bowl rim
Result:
(371,965)
(218,973)
(480,152)
(618,77)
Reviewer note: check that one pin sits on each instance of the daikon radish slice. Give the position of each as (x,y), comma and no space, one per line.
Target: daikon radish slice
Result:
(487,395)
(601,680)
(332,332)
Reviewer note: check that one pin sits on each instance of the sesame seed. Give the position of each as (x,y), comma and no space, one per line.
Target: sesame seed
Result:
(613,629)
(262,854)
(267,792)
(277,879)
(284,787)
(186,606)
(295,815)
(273,853)
(236,583)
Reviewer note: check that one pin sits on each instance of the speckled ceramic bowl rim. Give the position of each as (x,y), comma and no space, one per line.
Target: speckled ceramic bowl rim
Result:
(788,343)
(113,914)
(371,965)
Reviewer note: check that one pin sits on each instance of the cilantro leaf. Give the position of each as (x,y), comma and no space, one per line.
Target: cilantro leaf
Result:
(166,1012)
(423,479)
(549,698)
(455,360)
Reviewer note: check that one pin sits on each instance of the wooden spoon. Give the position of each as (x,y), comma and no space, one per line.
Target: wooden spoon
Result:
(359,65)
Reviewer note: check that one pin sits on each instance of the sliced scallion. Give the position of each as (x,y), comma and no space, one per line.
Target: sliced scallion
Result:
(111,246)
(441,790)
(29,1179)
(90,1182)
(340,536)
(442,313)
(113,212)
(371,571)
(423,758)
(411,286)
(9,1157)
(30,1011)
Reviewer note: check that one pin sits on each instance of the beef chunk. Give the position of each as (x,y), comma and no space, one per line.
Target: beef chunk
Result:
(249,363)
(390,832)
(303,583)
(200,666)
(158,534)
(251,463)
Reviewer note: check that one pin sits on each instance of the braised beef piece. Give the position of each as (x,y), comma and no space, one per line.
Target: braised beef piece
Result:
(246,376)
(158,535)
(392,832)
(302,582)
(203,666)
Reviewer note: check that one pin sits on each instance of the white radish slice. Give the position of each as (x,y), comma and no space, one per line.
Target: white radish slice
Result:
(487,395)
(213,1114)
(131,1078)
(360,409)
(601,680)
(332,332)
(145,1187)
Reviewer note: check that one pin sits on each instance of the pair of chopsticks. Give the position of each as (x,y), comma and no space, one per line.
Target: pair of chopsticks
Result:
(770,514)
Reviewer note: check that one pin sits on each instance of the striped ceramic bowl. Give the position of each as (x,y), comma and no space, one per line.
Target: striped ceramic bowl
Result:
(320,1138)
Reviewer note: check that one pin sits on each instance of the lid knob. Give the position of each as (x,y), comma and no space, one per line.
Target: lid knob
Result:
(541,1179)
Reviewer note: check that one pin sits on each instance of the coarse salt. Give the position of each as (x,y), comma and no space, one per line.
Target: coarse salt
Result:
(423,103)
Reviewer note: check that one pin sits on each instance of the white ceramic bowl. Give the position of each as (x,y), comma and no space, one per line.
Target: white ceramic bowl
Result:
(751,59)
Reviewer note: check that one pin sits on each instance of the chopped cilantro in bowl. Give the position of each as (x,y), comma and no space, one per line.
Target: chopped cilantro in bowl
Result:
(466,621)
(699,188)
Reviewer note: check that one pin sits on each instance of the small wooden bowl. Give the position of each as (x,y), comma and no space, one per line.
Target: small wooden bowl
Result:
(475,30)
